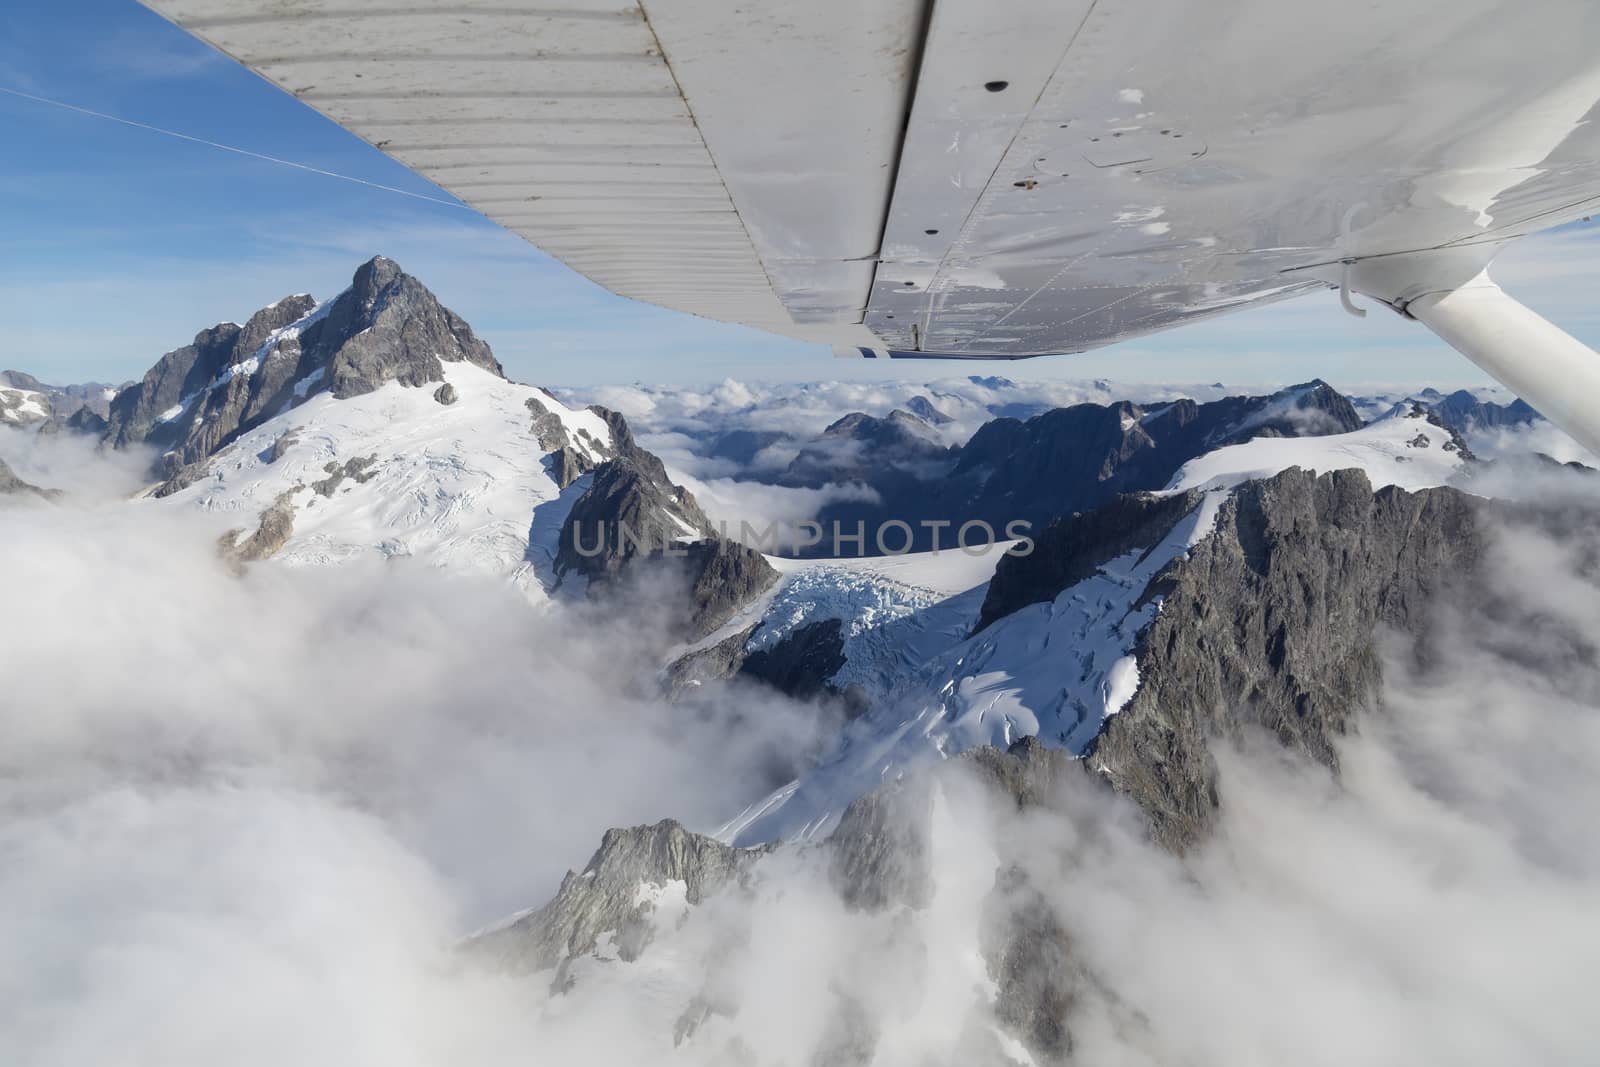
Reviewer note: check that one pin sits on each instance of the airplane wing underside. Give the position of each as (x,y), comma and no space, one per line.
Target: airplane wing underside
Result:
(961,177)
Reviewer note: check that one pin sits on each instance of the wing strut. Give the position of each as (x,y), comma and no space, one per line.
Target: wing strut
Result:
(1540,362)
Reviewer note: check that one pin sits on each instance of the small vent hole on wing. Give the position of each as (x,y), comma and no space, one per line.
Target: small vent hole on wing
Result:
(996,87)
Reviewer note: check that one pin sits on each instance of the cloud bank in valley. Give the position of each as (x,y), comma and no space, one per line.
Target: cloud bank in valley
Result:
(246,821)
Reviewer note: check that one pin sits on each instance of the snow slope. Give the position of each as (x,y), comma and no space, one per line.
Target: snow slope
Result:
(460,486)
(21,406)
(1403,448)
(1054,670)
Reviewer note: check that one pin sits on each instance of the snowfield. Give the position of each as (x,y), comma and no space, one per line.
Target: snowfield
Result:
(1403,448)
(460,486)
(18,406)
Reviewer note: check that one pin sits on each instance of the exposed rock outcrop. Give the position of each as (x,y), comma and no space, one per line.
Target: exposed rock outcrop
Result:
(1273,622)
(565,462)
(271,534)
(634,528)
(386,327)
(357,470)
(604,897)
(803,663)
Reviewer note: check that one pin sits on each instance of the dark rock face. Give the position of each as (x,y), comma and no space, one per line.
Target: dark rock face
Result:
(802,664)
(161,409)
(16,379)
(877,860)
(1029,955)
(386,327)
(1070,550)
(281,445)
(630,509)
(861,448)
(715,663)
(878,855)
(445,394)
(602,897)
(722,577)
(1273,622)
(633,527)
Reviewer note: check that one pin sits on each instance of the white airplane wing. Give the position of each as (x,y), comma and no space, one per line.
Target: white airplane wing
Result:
(969,178)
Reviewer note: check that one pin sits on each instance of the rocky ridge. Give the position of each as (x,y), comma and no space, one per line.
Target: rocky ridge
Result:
(1064,461)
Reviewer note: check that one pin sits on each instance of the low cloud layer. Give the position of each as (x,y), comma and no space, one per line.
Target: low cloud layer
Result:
(245,822)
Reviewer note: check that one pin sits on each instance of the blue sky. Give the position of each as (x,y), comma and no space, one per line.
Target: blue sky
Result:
(117,244)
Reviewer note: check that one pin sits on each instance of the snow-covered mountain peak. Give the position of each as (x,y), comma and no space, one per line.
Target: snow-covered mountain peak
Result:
(385,327)
(398,473)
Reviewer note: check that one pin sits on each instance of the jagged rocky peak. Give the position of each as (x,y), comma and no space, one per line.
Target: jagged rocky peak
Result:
(197,399)
(391,328)
(633,525)
(605,898)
